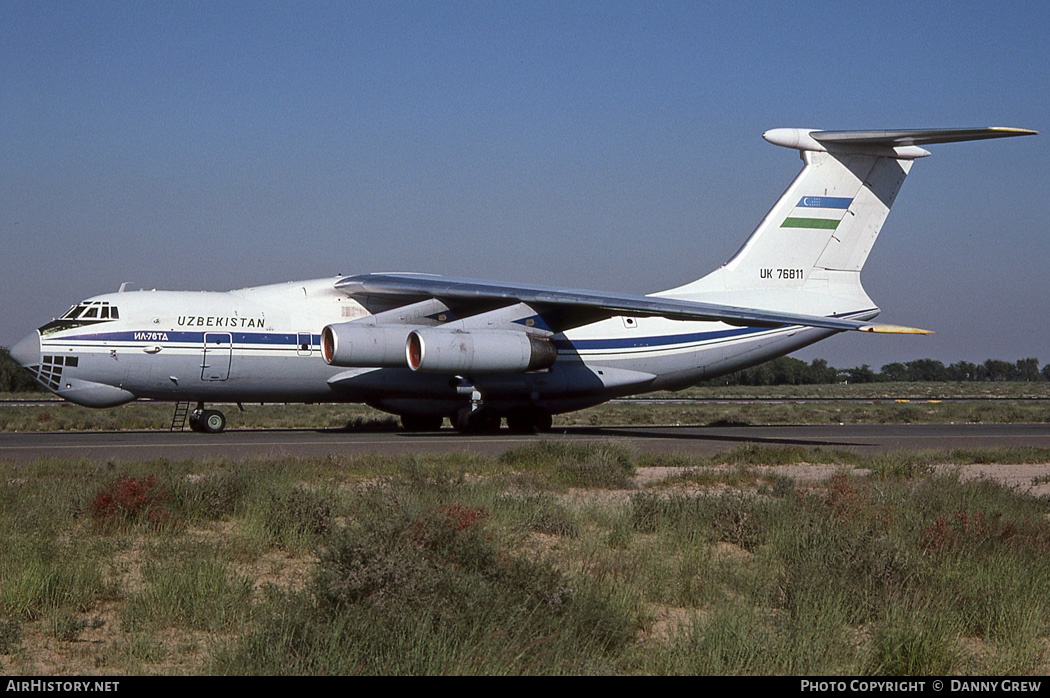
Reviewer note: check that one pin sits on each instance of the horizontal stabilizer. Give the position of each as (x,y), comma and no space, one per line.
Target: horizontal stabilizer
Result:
(901,144)
(925,136)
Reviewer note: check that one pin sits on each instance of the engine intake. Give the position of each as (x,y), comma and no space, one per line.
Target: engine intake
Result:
(481,351)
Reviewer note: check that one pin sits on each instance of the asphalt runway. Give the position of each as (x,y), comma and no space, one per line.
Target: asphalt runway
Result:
(131,446)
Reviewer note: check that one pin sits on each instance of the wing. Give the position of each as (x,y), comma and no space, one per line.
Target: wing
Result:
(563,309)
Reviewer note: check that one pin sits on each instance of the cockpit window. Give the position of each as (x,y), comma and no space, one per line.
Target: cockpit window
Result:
(86,313)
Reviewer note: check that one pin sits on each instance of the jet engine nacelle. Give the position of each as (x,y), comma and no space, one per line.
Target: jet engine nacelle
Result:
(364,346)
(480,351)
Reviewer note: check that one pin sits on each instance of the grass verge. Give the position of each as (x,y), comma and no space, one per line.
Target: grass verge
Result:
(551,559)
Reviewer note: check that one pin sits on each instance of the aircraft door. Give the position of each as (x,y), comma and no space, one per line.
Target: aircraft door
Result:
(218,353)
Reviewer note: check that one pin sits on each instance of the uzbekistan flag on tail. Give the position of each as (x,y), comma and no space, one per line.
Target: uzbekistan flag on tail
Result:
(818,212)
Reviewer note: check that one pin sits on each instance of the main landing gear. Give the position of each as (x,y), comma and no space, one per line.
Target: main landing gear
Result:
(421,422)
(483,420)
(207,421)
(529,420)
(476,421)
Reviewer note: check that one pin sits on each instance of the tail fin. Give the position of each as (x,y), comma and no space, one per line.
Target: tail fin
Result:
(807,253)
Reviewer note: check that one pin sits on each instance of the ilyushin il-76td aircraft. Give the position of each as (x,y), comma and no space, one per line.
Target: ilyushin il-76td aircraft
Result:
(428,347)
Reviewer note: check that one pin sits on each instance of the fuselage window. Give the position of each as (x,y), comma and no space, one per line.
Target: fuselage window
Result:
(113,314)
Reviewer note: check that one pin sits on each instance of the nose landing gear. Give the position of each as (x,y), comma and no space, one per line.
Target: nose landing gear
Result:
(207,421)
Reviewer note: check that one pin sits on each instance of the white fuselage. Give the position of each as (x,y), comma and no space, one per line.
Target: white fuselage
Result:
(263,345)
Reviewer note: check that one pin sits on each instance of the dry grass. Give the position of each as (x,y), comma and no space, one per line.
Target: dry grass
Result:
(695,557)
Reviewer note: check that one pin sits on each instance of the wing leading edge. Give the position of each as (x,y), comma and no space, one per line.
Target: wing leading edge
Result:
(564,309)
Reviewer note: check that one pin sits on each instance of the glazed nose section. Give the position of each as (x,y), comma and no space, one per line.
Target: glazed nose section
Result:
(27,351)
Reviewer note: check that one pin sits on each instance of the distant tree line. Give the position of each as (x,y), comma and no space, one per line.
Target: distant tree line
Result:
(789,371)
(13,378)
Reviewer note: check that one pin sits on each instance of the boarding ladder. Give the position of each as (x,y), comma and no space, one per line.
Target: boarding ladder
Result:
(178,420)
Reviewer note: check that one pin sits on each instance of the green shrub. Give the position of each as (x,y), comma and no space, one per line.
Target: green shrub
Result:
(212,496)
(605,465)
(10,635)
(192,589)
(914,643)
(293,518)
(417,586)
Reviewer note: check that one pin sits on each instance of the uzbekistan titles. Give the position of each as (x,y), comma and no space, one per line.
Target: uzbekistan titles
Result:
(220,321)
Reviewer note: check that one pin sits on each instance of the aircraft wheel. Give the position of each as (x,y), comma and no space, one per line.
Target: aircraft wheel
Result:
(212,422)
(421,422)
(461,420)
(195,421)
(489,422)
(480,421)
(529,420)
(520,421)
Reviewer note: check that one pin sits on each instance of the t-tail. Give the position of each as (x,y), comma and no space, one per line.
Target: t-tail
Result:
(807,253)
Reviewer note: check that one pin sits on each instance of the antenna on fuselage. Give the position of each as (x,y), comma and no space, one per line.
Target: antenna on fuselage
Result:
(123,286)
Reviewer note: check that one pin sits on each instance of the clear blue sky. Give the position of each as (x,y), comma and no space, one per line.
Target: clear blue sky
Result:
(606,145)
